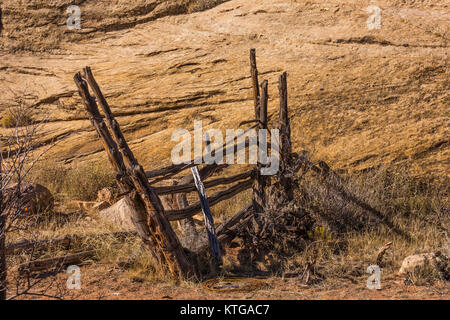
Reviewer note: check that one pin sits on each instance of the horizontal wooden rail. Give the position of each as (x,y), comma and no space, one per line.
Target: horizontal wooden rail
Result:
(173,215)
(169,171)
(230,223)
(184,188)
(59,262)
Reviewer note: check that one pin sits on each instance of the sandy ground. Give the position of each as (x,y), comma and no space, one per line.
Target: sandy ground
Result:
(105,282)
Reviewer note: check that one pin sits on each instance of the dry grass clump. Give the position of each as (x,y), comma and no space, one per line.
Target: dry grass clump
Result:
(79,182)
(15,117)
(84,181)
(125,253)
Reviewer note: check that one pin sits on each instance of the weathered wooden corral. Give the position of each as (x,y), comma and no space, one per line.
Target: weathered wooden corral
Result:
(152,207)
(151,220)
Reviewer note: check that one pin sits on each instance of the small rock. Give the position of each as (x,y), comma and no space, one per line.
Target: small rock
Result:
(106,195)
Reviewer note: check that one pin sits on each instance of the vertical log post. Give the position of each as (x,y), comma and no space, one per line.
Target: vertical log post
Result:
(285,139)
(1,21)
(263,105)
(259,184)
(255,83)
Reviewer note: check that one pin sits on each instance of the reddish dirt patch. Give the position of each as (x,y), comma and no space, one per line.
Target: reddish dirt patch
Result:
(106,283)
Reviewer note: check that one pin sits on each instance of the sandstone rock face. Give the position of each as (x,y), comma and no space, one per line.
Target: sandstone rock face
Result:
(32,197)
(414,262)
(358,97)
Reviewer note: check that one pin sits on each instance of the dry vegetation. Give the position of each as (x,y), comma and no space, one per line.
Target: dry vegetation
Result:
(77,182)
(333,251)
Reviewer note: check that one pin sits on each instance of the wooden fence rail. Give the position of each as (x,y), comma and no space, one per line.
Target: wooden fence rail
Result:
(173,215)
(185,188)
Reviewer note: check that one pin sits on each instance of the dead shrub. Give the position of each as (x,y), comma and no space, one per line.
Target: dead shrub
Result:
(16,117)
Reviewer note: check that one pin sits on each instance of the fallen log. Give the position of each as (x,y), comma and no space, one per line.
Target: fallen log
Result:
(55,263)
(66,241)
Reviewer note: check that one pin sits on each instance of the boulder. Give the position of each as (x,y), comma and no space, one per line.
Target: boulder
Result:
(119,214)
(32,197)
(417,261)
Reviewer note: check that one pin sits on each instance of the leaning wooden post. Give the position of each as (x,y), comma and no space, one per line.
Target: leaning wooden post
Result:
(123,180)
(177,261)
(187,225)
(285,139)
(209,221)
(259,184)
(255,83)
